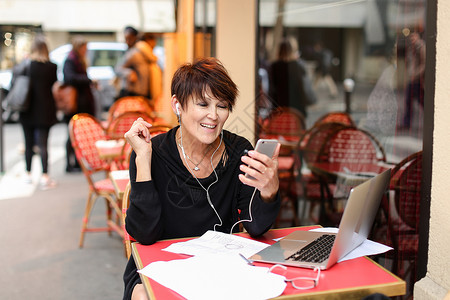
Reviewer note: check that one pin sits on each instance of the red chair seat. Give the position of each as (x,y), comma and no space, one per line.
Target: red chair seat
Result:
(285,162)
(104,185)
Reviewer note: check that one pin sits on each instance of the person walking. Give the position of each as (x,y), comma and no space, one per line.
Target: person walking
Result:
(415,63)
(125,75)
(287,79)
(322,73)
(145,47)
(140,71)
(75,74)
(37,120)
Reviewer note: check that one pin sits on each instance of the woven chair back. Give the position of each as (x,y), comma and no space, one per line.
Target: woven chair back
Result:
(131,103)
(407,191)
(85,130)
(285,121)
(122,123)
(351,145)
(336,117)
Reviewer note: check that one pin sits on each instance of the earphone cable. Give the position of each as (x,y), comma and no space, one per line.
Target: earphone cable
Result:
(215,173)
(249,211)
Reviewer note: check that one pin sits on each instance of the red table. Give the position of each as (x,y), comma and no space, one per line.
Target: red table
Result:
(109,149)
(351,279)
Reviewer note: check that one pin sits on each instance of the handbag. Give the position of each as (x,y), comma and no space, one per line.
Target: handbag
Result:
(18,97)
(65,97)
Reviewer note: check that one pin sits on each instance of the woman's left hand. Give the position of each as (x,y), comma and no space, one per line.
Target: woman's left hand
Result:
(264,171)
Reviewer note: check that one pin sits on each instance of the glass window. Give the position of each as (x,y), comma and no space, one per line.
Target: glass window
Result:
(364,59)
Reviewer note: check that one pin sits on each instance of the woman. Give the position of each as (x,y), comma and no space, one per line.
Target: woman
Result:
(286,79)
(41,115)
(191,179)
(75,74)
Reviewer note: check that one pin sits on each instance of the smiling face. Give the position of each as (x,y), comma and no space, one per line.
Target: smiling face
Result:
(202,120)
(206,95)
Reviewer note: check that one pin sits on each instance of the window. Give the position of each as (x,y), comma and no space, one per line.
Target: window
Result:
(366,58)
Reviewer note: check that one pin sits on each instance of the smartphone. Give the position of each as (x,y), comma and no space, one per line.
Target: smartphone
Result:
(265,146)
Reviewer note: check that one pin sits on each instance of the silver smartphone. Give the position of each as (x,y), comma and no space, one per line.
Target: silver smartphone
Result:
(265,146)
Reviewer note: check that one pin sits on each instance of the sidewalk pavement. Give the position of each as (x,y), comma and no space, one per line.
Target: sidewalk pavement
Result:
(40,231)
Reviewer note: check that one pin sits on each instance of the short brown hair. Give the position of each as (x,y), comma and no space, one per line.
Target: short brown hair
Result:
(192,80)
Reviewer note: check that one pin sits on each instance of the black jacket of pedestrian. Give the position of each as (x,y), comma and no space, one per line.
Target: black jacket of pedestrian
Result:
(75,74)
(286,84)
(42,110)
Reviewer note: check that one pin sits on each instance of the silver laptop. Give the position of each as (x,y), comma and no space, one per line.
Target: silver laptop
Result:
(359,213)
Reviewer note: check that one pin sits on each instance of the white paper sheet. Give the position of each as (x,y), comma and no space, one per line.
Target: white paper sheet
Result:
(109,143)
(120,174)
(213,242)
(368,247)
(219,276)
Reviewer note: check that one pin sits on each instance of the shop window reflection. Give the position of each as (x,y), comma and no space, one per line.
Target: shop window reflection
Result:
(378,44)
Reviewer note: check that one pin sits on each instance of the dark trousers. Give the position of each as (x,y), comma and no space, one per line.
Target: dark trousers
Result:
(36,136)
(71,160)
(414,90)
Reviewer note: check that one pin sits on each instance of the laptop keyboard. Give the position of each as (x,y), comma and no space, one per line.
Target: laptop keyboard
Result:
(315,252)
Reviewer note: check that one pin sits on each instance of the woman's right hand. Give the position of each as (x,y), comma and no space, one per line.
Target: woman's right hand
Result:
(140,140)
(139,137)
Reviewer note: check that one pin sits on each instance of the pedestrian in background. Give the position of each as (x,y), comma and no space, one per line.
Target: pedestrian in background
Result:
(75,74)
(146,46)
(415,64)
(322,72)
(41,115)
(124,75)
(140,71)
(286,77)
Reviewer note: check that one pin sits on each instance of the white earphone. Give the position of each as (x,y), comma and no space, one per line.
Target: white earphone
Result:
(177,107)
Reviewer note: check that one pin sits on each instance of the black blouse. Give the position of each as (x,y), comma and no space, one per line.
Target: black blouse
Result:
(174,205)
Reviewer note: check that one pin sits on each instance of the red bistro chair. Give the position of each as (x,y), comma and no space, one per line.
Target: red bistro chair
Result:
(129,103)
(84,131)
(287,126)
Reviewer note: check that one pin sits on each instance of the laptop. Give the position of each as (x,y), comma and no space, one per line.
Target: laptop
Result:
(356,223)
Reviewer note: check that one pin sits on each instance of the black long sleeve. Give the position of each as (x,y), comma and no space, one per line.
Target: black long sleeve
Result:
(174,205)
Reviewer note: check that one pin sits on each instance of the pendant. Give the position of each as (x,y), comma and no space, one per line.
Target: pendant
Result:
(196,168)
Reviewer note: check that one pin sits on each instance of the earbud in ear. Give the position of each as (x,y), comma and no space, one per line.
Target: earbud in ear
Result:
(177,107)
